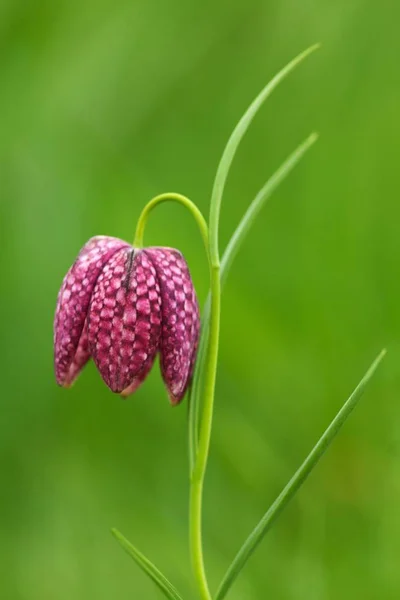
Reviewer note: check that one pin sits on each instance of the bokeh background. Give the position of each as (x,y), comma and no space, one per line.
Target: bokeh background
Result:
(105,104)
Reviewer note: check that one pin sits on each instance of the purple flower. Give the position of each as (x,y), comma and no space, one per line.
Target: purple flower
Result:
(121,306)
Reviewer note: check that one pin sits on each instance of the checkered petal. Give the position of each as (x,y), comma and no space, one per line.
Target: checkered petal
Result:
(124,321)
(70,343)
(82,356)
(180,320)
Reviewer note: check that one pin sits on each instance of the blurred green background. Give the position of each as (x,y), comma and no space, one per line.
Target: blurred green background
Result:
(105,104)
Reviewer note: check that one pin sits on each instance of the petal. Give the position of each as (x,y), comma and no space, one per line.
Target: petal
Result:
(195,334)
(80,359)
(124,322)
(138,380)
(73,302)
(180,320)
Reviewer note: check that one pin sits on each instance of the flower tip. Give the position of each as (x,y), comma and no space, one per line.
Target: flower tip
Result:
(128,391)
(66,383)
(175,400)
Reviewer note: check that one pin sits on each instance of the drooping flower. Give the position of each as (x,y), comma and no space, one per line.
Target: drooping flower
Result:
(121,306)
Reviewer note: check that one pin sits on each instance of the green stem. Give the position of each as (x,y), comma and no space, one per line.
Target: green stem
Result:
(197,479)
(200,460)
(212,337)
(170,197)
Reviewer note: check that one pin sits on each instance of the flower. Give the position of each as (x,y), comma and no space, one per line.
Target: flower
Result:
(122,305)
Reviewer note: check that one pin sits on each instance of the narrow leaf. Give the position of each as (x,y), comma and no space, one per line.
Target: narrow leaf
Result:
(295,483)
(259,201)
(231,250)
(234,141)
(147,566)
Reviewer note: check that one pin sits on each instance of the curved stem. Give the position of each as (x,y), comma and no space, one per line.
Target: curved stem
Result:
(200,460)
(170,197)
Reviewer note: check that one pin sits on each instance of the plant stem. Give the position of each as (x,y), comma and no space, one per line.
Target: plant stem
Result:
(197,479)
(170,197)
(200,460)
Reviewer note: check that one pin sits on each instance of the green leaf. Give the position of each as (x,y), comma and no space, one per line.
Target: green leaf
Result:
(259,201)
(233,144)
(295,483)
(147,566)
(231,250)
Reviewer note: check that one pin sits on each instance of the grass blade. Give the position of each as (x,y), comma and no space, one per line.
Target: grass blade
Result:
(147,566)
(235,139)
(295,483)
(259,201)
(230,252)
